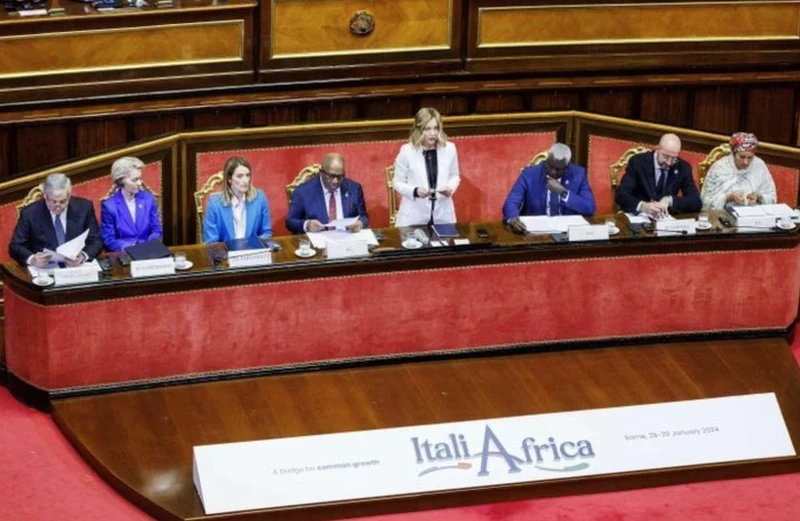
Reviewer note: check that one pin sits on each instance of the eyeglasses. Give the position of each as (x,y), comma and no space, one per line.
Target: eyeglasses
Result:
(331,176)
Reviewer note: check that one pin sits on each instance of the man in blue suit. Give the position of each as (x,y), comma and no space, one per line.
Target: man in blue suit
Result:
(553,187)
(325,198)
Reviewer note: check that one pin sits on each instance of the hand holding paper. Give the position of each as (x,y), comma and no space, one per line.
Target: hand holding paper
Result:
(70,252)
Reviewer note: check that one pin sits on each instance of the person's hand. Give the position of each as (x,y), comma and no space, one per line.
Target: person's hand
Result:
(40,260)
(517,225)
(423,193)
(735,198)
(314,225)
(355,227)
(446,192)
(655,209)
(666,201)
(555,186)
(753,198)
(80,259)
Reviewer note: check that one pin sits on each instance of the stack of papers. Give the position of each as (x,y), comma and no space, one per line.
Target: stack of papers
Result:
(556,224)
(321,239)
(52,267)
(765,210)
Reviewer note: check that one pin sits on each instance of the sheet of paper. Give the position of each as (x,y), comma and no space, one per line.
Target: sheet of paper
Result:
(50,268)
(779,210)
(749,211)
(320,239)
(70,249)
(341,223)
(557,224)
(637,218)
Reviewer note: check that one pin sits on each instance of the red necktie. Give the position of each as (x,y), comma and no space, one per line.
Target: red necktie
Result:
(332,207)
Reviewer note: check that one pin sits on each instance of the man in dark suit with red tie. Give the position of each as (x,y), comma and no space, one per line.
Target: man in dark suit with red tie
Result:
(325,198)
(52,221)
(659,182)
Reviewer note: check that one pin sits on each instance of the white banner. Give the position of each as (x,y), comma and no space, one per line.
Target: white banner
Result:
(408,460)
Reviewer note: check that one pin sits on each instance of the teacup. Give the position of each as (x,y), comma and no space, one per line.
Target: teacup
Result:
(702,220)
(304,246)
(786,222)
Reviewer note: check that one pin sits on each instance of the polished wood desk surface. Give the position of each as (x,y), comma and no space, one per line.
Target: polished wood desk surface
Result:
(502,245)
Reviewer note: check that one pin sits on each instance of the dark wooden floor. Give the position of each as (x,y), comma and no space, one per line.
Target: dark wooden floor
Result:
(142,441)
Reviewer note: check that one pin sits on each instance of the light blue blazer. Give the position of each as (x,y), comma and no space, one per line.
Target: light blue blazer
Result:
(118,229)
(218,222)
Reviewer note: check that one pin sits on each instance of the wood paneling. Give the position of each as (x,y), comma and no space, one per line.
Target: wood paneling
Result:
(219,119)
(666,106)
(446,105)
(149,126)
(770,112)
(643,23)
(5,152)
(99,135)
(717,109)
(332,111)
(303,28)
(276,115)
(146,46)
(488,103)
(555,100)
(619,103)
(39,146)
(388,108)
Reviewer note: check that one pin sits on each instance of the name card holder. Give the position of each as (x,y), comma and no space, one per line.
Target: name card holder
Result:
(589,232)
(346,249)
(152,267)
(76,275)
(249,258)
(755,224)
(676,227)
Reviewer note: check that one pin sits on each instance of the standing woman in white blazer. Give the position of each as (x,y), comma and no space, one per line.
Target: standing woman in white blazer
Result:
(426,168)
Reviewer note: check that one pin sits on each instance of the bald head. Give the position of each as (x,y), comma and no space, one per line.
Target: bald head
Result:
(333,160)
(669,148)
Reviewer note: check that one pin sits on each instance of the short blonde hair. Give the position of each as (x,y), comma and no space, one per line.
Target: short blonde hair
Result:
(421,120)
(123,167)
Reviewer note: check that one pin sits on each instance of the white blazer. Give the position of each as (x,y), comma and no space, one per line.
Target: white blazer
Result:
(410,173)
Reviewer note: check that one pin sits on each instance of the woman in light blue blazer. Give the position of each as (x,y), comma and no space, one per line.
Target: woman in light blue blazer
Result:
(238,211)
(130,216)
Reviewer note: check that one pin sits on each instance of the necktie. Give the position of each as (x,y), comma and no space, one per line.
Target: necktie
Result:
(60,235)
(332,207)
(661,180)
(555,204)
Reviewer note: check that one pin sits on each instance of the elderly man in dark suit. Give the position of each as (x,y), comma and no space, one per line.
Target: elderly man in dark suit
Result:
(325,198)
(659,182)
(52,221)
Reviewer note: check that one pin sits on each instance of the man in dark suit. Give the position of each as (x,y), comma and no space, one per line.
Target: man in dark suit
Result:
(52,221)
(553,187)
(325,198)
(653,180)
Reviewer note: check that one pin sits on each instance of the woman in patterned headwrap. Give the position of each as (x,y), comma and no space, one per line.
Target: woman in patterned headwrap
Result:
(740,178)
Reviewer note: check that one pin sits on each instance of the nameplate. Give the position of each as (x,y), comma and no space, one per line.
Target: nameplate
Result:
(76,275)
(249,258)
(756,223)
(676,227)
(152,267)
(345,249)
(590,232)
(415,460)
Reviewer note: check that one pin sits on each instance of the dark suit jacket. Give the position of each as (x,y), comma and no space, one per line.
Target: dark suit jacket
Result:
(118,229)
(35,232)
(308,202)
(639,184)
(529,194)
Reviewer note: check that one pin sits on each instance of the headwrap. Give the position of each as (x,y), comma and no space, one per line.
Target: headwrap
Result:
(743,141)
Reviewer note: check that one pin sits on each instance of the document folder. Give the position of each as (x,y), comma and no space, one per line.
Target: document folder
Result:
(248,243)
(445,230)
(154,249)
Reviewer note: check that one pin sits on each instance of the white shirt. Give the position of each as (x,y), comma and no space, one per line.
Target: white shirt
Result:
(338,195)
(131,203)
(239,217)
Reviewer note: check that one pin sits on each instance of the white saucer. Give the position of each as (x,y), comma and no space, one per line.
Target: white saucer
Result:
(706,226)
(786,226)
(613,231)
(42,283)
(411,244)
(185,266)
(302,255)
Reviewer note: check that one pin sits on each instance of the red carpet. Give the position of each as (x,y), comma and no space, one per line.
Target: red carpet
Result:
(44,479)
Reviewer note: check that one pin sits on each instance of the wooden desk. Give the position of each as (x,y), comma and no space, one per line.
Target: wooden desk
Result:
(517,292)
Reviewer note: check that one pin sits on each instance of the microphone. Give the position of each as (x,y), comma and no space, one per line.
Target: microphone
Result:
(677,232)
(421,236)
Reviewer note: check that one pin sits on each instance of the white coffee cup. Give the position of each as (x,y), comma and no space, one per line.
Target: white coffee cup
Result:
(42,278)
(305,246)
(785,222)
(702,220)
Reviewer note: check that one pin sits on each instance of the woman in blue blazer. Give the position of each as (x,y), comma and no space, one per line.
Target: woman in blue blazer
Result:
(238,211)
(130,216)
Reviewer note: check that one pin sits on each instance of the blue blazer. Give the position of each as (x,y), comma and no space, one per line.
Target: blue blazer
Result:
(308,202)
(118,229)
(529,194)
(218,222)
